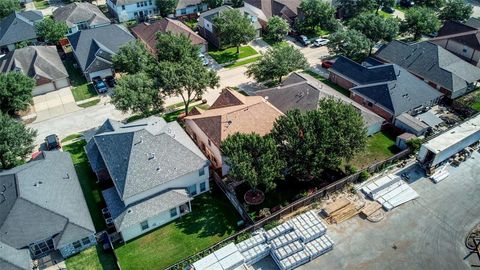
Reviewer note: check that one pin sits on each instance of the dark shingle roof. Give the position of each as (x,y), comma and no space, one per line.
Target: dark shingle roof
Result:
(431,62)
(43,198)
(78,12)
(19,26)
(473,22)
(285,8)
(14,259)
(362,75)
(98,43)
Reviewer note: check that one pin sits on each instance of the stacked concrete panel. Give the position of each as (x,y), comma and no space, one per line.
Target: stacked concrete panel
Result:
(293,261)
(256,253)
(226,258)
(319,246)
(284,239)
(288,250)
(251,242)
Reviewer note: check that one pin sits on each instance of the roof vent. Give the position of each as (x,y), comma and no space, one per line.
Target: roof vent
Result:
(158,169)
(139,142)
(129,211)
(151,156)
(66,177)
(2,198)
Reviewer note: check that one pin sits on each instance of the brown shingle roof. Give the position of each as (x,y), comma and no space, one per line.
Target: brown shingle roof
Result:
(252,114)
(147,32)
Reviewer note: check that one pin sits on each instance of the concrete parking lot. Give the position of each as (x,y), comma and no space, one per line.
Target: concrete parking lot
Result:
(428,233)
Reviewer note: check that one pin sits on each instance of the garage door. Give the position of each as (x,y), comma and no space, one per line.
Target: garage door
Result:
(101,73)
(61,83)
(42,89)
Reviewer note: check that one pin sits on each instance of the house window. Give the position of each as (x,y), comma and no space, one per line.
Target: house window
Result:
(135,14)
(77,244)
(192,190)
(150,2)
(203,186)
(201,172)
(123,7)
(209,143)
(86,241)
(138,4)
(369,104)
(173,212)
(144,225)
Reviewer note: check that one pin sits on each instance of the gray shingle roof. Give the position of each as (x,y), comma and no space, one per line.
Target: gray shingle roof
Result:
(78,12)
(33,61)
(126,216)
(14,259)
(431,62)
(145,154)
(43,198)
(101,43)
(19,26)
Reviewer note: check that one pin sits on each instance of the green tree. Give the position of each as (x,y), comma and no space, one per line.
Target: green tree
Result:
(352,8)
(277,28)
(137,93)
(277,62)
(214,3)
(51,30)
(350,43)
(188,79)
(15,92)
(375,27)
(132,57)
(8,6)
(16,142)
(435,4)
(321,139)
(166,7)
(253,158)
(420,20)
(384,3)
(237,3)
(175,48)
(234,28)
(456,10)
(316,14)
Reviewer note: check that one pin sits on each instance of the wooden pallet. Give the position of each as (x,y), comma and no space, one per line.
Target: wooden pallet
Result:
(370,208)
(335,206)
(340,211)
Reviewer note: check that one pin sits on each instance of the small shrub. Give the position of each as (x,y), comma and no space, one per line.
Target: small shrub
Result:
(364,176)
(243,236)
(415,144)
(350,169)
(270,225)
(264,212)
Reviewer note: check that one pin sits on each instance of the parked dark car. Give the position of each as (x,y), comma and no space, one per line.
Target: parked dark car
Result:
(388,10)
(52,142)
(110,81)
(407,3)
(99,85)
(303,40)
(328,63)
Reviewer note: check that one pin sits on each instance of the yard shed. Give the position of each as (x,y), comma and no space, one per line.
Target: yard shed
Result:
(410,124)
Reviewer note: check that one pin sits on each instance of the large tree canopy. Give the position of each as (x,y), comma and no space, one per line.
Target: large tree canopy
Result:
(420,20)
(214,3)
(316,14)
(277,28)
(137,93)
(8,6)
(166,7)
(435,4)
(456,10)
(254,159)
(16,142)
(384,3)
(375,27)
(234,28)
(51,30)
(352,8)
(350,43)
(277,62)
(132,57)
(15,92)
(320,139)
(175,48)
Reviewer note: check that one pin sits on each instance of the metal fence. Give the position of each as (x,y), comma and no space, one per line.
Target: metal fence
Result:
(300,203)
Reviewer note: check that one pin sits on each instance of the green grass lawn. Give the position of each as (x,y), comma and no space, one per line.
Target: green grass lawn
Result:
(211,220)
(328,82)
(72,137)
(91,190)
(471,100)
(40,4)
(380,146)
(81,89)
(93,258)
(230,54)
(384,14)
(90,103)
(244,62)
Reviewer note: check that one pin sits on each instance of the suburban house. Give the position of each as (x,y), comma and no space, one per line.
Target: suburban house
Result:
(189,8)
(93,48)
(205,25)
(42,210)
(435,65)
(156,170)
(303,92)
(230,113)
(126,10)
(386,89)
(79,16)
(18,27)
(147,33)
(41,63)
(263,10)
(462,39)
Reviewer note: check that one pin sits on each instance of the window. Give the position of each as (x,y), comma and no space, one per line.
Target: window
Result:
(192,190)
(369,104)
(138,4)
(144,225)
(86,241)
(173,212)
(77,244)
(123,7)
(209,143)
(135,14)
(203,186)
(201,172)
(150,2)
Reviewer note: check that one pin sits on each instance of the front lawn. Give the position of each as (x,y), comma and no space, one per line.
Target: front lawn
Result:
(90,103)
(93,258)
(212,219)
(40,4)
(380,146)
(243,62)
(91,190)
(230,54)
(81,89)
(328,82)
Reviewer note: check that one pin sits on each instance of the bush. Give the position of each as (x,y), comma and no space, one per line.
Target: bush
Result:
(415,144)
(271,225)
(364,176)
(350,169)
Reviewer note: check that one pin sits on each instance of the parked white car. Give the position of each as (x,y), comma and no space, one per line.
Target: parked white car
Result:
(320,42)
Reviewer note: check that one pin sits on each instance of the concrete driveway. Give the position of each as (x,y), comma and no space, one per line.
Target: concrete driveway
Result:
(54,103)
(314,55)
(428,233)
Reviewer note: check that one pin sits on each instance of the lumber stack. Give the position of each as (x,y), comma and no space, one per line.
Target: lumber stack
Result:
(339,211)
(370,208)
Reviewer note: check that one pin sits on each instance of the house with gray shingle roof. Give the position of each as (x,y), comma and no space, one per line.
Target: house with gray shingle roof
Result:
(79,16)
(94,48)
(442,69)
(42,209)
(42,63)
(18,27)
(156,170)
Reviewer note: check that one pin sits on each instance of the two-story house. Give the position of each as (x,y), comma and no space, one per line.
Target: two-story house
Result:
(79,16)
(263,10)
(156,170)
(189,8)
(125,10)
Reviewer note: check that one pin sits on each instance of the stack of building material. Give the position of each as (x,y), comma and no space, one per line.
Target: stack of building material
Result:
(339,211)
(284,239)
(288,250)
(440,174)
(308,227)
(251,242)
(205,262)
(293,261)
(319,246)
(278,230)
(334,206)
(254,248)
(370,208)
(226,258)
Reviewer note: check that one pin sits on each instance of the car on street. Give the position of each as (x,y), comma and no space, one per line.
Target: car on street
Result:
(328,63)
(99,85)
(388,9)
(52,142)
(320,42)
(110,81)
(407,3)
(303,40)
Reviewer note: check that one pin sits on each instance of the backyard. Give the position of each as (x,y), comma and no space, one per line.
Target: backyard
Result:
(328,82)
(380,146)
(93,258)
(471,100)
(40,4)
(230,54)
(211,220)
(81,89)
